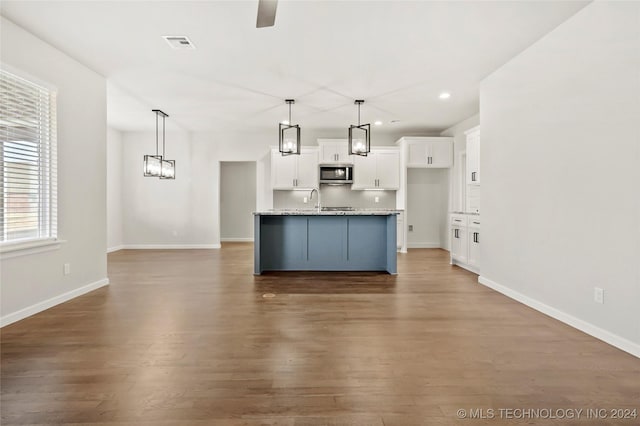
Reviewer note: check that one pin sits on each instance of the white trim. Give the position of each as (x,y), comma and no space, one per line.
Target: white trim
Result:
(10,250)
(586,327)
(466,266)
(115,248)
(424,245)
(169,246)
(236,240)
(49,303)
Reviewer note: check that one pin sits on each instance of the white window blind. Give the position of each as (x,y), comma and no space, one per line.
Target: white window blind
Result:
(28,171)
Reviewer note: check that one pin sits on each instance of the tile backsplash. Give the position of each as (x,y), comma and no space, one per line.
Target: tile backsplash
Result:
(335,196)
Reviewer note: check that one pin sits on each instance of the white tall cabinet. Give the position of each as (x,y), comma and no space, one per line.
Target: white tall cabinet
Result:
(473,156)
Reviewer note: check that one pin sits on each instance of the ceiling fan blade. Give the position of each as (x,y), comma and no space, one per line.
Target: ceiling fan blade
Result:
(266,13)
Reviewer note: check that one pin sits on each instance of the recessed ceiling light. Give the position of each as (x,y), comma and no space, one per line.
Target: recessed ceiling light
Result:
(394,121)
(377,123)
(179,42)
(445,95)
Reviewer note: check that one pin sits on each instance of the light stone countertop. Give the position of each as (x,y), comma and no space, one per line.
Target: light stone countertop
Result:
(315,212)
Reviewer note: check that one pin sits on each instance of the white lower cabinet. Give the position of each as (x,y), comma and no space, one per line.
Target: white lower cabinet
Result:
(473,241)
(465,241)
(459,243)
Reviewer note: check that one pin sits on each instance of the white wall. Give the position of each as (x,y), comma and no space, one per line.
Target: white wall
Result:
(114,190)
(237,200)
(168,213)
(427,207)
(35,282)
(560,157)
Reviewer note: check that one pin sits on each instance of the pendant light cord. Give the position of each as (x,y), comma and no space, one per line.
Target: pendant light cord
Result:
(156,134)
(358,114)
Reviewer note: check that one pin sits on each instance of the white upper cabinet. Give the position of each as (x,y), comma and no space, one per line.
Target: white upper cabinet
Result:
(294,171)
(473,156)
(334,151)
(429,152)
(379,170)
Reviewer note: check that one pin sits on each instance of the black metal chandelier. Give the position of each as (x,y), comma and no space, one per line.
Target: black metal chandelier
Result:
(289,135)
(157,165)
(359,136)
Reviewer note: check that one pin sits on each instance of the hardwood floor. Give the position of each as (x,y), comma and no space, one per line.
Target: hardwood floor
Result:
(185,337)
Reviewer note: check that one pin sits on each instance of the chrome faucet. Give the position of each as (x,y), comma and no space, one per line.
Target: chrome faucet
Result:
(317,191)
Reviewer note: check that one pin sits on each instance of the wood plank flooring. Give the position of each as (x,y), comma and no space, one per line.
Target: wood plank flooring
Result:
(185,337)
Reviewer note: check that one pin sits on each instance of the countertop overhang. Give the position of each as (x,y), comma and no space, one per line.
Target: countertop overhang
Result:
(315,212)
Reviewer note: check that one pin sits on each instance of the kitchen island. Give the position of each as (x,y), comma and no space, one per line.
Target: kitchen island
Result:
(312,240)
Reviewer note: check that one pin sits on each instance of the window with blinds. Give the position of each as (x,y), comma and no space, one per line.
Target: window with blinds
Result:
(28,198)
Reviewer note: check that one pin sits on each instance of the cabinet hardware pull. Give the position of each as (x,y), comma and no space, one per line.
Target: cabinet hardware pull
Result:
(473,176)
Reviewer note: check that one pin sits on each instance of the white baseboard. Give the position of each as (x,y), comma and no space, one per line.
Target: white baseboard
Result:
(465,266)
(169,246)
(586,327)
(115,248)
(236,240)
(49,303)
(424,245)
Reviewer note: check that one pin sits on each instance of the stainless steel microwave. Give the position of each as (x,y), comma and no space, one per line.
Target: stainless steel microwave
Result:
(336,174)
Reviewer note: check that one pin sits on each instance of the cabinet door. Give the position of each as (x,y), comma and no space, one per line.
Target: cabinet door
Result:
(342,153)
(335,152)
(440,154)
(473,159)
(364,172)
(417,154)
(400,230)
(473,237)
(459,244)
(283,170)
(328,153)
(307,169)
(388,169)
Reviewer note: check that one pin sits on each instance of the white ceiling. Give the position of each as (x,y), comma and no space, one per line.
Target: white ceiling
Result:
(398,56)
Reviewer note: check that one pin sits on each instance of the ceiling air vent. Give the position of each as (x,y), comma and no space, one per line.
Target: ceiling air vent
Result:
(179,42)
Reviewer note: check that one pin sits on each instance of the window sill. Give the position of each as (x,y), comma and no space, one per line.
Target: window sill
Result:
(10,250)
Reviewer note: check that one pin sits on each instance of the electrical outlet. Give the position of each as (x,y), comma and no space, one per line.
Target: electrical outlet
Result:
(410,227)
(376,199)
(305,200)
(67,268)
(598,295)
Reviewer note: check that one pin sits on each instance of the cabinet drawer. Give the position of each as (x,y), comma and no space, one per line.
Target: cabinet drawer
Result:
(474,222)
(458,220)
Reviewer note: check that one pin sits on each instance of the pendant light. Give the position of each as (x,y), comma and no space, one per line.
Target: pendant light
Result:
(168,168)
(153,163)
(289,135)
(361,145)
(156,165)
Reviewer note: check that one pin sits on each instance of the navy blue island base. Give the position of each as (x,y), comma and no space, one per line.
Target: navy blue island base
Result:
(310,241)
